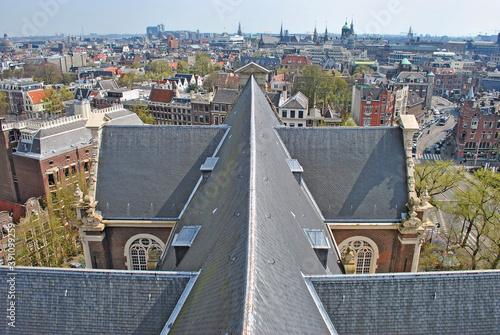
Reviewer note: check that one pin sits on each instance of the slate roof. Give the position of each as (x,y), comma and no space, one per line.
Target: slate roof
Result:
(275,98)
(63,301)
(108,84)
(355,173)
(251,248)
(55,140)
(150,171)
(299,101)
(225,96)
(417,303)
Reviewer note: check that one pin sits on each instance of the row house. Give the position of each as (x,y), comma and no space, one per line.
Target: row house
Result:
(478,129)
(418,82)
(295,62)
(222,104)
(17,90)
(115,97)
(373,107)
(294,111)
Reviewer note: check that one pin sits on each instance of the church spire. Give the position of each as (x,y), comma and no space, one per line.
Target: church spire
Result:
(281,31)
(315,36)
(326,33)
(239,29)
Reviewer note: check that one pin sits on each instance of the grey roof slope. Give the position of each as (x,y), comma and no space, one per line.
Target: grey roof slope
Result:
(352,173)
(150,171)
(63,301)
(226,96)
(421,303)
(251,248)
(55,140)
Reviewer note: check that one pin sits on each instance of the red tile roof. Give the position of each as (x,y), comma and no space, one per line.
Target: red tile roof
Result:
(36,96)
(161,95)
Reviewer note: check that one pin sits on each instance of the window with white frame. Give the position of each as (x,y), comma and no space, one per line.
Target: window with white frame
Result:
(365,253)
(474,123)
(139,248)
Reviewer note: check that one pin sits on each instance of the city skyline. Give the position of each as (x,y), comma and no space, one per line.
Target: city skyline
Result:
(445,18)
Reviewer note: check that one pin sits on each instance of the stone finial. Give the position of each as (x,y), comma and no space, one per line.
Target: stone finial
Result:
(348,261)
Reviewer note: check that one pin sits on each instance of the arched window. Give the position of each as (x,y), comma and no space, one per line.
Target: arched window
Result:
(365,253)
(138,249)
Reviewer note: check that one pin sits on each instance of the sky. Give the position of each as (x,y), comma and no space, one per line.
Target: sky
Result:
(427,17)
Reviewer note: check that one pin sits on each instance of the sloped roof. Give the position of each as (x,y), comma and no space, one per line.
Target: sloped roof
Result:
(161,95)
(226,96)
(352,172)
(36,96)
(150,171)
(109,84)
(251,247)
(299,100)
(55,140)
(424,303)
(64,301)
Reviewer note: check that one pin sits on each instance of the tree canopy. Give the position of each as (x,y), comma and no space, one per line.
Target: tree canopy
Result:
(54,101)
(4,104)
(143,113)
(323,90)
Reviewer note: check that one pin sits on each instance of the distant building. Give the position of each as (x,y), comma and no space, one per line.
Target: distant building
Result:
(6,45)
(17,92)
(294,111)
(372,107)
(478,129)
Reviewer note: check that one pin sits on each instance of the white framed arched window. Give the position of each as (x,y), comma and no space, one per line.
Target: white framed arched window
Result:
(365,253)
(138,248)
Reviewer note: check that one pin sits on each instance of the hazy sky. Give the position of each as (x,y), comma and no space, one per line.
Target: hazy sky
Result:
(434,17)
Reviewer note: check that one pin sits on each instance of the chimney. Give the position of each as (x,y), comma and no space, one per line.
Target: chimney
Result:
(82,107)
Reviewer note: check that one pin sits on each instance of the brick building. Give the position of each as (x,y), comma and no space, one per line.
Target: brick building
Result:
(36,155)
(478,129)
(373,107)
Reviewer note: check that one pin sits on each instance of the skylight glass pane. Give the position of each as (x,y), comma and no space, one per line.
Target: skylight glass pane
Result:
(317,238)
(186,236)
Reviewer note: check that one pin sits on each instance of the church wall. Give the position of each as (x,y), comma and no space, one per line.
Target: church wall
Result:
(385,239)
(117,237)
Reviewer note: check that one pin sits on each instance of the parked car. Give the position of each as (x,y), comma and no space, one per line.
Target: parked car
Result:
(437,150)
(427,150)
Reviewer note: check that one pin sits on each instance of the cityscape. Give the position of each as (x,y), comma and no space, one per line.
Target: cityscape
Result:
(250,170)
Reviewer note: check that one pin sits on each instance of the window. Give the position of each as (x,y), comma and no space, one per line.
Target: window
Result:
(86,166)
(365,253)
(301,114)
(292,114)
(66,172)
(223,108)
(73,170)
(472,134)
(216,107)
(474,123)
(67,158)
(284,113)
(368,110)
(140,248)
(51,179)
(183,241)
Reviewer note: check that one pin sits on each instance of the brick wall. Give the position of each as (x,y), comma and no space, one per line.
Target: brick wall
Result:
(386,240)
(114,245)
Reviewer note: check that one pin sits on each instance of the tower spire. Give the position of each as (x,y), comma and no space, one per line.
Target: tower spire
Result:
(326,32)
(239,29)
(315,36)
(281,31)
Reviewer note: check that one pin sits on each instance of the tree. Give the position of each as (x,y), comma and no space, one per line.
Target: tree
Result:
(54,102)
(438,177)
(4,104)
(478,208)
(203,64)
(182,67)
(68,78)
(66,94)
(128,79)
(322,89)
(136,65)
(362,69)
(49,74)
(46,237)
(347,120)
(192,87)
(143,113)
(160,67)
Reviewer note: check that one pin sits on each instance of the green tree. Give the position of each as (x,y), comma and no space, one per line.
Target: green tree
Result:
(68,78)
(160,67)
(45,236)
(310,82)
(362,69)
(143,113)
(347,120)
(203,64)
(192,87)
(53,100)
(136,65)
(48,73)
(128,79)
(182,67)
(66,94)
(478,208)
(4,104)
(437,176)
